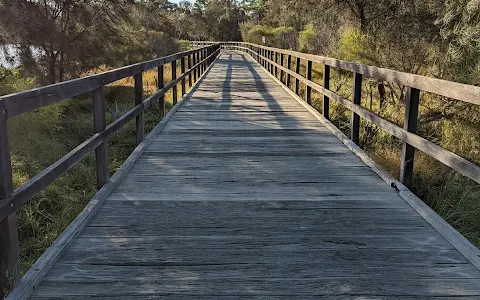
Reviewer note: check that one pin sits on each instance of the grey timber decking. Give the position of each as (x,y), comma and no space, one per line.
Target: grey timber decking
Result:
(246,195)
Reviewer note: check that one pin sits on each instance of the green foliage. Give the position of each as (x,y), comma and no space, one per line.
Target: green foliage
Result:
(252,33)
(460,29)
(284,37)
(307,39)
(184,45)
(12,80)
(355,46)
(280,37)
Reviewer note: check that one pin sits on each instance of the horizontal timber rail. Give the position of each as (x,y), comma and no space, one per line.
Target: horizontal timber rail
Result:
(271,59)
(196,60)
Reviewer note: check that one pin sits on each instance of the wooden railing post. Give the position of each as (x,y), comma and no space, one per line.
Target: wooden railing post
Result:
(297,81)
(326,85)
(204,64)
(410,124)
(99,125)
(264,62)
(139,120)
(357,97)
(198,70)
(276,61)
(174,76)
(282,58)
(268,61)
(190,78)
(194,57)
(269,56)
(182,67)
(199,61)
(161,85)
(308,92)
(272,58)
(289,66)
(9,252)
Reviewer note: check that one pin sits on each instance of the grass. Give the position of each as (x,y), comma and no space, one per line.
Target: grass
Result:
(452,195)
(40,137)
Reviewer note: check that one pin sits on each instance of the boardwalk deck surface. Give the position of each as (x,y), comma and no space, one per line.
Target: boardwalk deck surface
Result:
(245,195)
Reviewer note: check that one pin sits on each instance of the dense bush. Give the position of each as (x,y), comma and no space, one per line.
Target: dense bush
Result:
(280,37)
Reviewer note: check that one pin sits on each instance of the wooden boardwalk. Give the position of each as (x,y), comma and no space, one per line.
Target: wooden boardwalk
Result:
(246,195)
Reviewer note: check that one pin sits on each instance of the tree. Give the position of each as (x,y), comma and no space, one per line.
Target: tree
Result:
(61,30)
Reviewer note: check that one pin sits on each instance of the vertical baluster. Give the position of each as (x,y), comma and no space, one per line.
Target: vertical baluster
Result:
(276,62)
(194,57)
(262,53)
(199,66)
(357,97)
(269,65)
(410,124)
(190,75)
(289,66)
(308,91)
(263,60)
(268,62)
(99,125)
(326,85)
(174,77)
(161,85)
(272,58)
(182,68)
(204,63)
(139,120)
(9,252)
(297,70)
(200,71)
(282,73)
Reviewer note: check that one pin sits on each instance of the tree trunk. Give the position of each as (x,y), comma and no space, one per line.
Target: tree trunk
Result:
(51,68)
(382,93)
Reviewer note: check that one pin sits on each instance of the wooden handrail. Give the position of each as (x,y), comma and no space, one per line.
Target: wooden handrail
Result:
(407,134)
(15,104)
(26,101)
(449,89)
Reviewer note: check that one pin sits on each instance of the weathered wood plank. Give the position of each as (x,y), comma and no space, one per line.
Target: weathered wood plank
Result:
(266,287)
